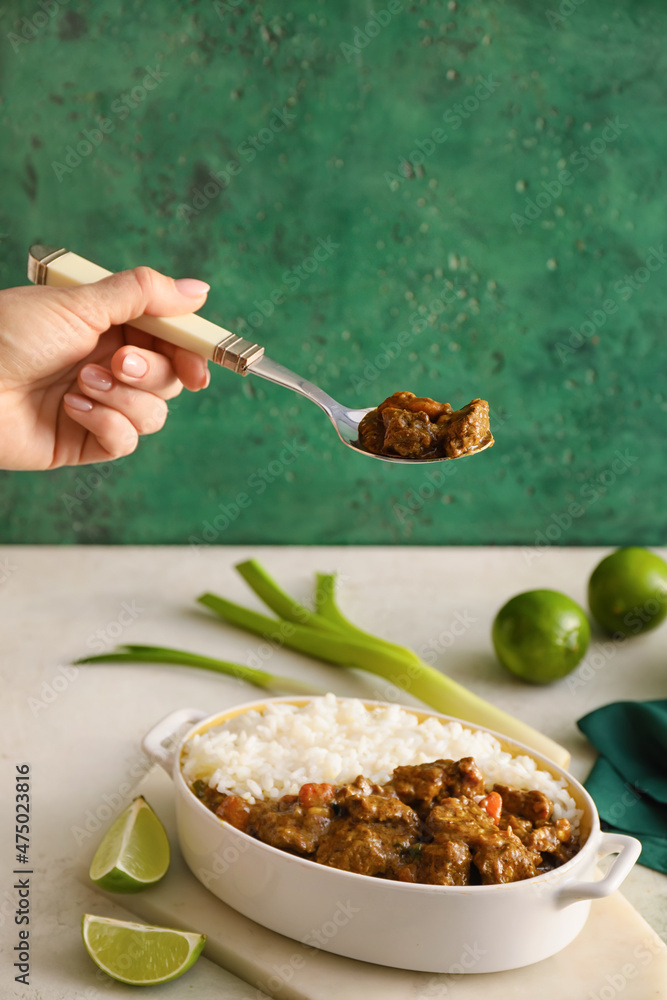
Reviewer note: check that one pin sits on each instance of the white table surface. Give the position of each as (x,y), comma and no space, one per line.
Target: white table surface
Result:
(80,729)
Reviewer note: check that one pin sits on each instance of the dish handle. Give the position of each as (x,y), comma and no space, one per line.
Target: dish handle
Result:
(627,850)
(162,741)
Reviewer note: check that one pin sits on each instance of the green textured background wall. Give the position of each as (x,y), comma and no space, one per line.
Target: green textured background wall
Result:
(472,244)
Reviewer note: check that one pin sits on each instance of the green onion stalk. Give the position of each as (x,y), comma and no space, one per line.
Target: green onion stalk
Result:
(162,654)
(328,635)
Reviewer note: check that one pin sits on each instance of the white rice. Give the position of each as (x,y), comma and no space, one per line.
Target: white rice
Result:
(274,752)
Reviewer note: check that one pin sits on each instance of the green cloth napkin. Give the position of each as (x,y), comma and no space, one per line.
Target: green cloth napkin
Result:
(629,780)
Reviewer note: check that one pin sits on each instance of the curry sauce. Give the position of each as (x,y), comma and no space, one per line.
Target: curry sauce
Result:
(432,823)
(418,427)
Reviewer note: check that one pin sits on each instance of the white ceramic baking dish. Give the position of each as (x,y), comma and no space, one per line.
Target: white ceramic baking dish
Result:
(426,928)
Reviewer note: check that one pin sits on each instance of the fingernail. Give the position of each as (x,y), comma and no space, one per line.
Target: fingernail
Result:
(192,287)
(207,379)
(134,365)
(96,378)
(77,402)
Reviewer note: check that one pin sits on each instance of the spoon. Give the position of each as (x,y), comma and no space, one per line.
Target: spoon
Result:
(60,268)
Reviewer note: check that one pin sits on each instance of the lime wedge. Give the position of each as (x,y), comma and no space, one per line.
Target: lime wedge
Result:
(138,953)
(134,852)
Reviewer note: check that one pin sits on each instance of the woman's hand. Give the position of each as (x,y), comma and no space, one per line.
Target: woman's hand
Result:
(78,383)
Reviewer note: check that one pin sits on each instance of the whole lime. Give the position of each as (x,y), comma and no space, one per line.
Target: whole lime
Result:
(627,591)
(540,635)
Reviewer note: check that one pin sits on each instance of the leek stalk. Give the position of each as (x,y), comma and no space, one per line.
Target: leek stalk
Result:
(328,635)
(352,647)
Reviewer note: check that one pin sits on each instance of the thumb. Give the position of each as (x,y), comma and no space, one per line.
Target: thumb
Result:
(139,292)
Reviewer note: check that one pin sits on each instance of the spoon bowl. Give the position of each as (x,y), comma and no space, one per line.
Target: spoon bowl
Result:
(345,421)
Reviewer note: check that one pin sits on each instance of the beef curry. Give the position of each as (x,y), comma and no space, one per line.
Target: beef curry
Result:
(432,823)
(417,427)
